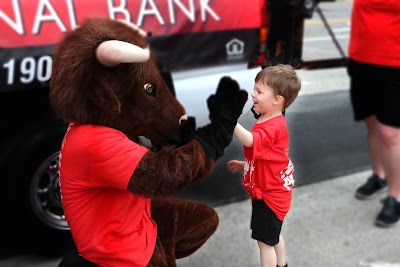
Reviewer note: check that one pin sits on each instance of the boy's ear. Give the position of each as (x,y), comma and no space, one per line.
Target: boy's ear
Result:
(279,100)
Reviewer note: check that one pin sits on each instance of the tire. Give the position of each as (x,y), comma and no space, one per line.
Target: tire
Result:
(40,222)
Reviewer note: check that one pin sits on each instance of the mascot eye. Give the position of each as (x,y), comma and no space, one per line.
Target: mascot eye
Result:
(150,89)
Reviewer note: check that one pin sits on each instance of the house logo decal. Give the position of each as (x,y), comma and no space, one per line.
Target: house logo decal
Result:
(235,49)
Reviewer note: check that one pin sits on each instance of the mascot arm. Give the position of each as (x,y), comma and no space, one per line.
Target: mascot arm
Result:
(169,170)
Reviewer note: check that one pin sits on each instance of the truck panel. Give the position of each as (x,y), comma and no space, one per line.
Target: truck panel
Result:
(184,34)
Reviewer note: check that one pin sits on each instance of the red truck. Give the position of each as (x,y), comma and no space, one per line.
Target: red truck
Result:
(186,34)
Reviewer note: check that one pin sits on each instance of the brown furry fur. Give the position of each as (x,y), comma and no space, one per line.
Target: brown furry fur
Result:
(86,92)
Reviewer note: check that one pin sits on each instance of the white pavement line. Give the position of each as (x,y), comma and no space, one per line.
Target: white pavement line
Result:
(378,264)
(325,38)
(323,81)
(344,29)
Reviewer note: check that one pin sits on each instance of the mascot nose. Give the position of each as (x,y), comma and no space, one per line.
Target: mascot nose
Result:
(188,126)
(183,117)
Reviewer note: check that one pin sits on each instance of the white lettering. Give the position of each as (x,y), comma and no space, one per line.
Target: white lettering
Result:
(71,13)
(40,17)
(145,12)
(10,66)
(121,9)
(204,8)
(44,68)
(28,68)
(189,13)
(17,25)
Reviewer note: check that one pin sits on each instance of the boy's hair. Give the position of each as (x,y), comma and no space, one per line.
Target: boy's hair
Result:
(283,80)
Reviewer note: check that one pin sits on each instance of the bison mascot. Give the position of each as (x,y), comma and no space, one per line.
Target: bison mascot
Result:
(116,192)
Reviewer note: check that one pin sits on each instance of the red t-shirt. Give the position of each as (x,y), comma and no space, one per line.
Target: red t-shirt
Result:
(375,32)
(110,225)
(268,171)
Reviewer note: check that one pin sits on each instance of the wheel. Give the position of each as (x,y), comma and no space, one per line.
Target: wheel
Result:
(38,212)
(44,193)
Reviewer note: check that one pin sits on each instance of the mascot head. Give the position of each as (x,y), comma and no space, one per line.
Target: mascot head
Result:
(105,74)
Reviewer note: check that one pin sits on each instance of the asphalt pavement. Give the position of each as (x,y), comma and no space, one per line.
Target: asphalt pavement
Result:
(326,226)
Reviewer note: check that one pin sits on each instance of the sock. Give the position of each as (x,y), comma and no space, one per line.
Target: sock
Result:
(284,265)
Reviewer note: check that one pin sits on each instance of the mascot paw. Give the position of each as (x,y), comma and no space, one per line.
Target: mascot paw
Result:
(228,101)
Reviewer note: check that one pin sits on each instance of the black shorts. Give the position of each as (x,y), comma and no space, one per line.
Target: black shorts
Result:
(375,90)
(264,223)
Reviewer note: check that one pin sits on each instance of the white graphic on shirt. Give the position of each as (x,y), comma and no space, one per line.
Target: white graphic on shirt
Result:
(287,175)
(59,159)
(248,167)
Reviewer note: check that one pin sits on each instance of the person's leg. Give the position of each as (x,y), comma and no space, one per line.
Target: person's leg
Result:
(390,213)
(159,257)
(376,183)
(267,255)
(183,226)
(390,139)
(280,251)
(389,132)
(266,229)
(374,146)
(363,95)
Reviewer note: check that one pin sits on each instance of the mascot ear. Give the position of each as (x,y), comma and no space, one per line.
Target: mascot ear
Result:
(105,98)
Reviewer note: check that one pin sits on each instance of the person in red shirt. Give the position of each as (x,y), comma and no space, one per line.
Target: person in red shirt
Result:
(117,194)
(96,165)
(374,70)
(268,170)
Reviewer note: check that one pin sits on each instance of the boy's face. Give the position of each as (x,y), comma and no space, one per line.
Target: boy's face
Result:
(264,98)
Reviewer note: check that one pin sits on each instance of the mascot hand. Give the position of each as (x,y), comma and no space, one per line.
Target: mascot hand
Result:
(225,108)
(226,105)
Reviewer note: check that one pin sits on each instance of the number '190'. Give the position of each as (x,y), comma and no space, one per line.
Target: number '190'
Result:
(29,69)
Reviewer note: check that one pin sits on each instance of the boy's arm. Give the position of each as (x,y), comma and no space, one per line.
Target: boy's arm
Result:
(236,166)
(245,137)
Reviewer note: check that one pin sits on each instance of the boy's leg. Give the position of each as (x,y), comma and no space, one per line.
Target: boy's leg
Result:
(267,255)
(266,229)
(280,251)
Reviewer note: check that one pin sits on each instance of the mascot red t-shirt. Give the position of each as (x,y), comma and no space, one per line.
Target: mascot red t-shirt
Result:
(110,225)
(268,171)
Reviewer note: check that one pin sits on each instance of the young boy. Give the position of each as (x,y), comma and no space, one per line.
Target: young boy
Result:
(267,170)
